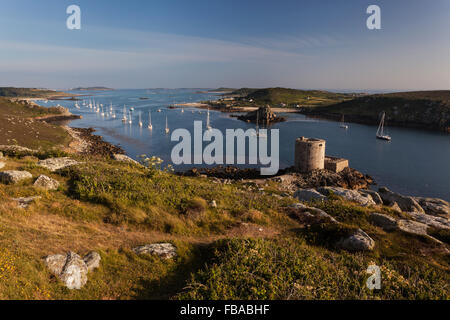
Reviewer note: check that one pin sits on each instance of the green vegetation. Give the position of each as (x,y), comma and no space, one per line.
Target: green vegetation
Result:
(12,92)
(18,126)
(276,96)
(248,245)
(428,109)
(287,268)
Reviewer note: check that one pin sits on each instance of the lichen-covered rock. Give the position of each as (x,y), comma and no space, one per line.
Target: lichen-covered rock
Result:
(359,241)
(163,250)
(413,227)
(13,176)
(394,206)
(309,215)
(124,158)
(383,221)
(350,195)
(74,273)
(25,202)
(92,260)
(308,195)
(404,202)
(434,206)
(54,164)
(373,194)
(2,164)
(432,221)
(46,183)
(70,269)
(56,263)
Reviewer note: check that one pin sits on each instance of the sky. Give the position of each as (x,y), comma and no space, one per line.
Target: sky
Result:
(315,44)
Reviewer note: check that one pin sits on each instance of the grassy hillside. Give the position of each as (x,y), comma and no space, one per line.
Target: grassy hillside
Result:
(18,126)
(12,92)
(293,97)
(428,109)
(246,248)
(249,245)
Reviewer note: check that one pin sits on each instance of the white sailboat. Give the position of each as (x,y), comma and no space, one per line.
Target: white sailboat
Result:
(208,125)
(167,126)
(150,127)
(140,120)
(130,121)
(124,118)
(343,125)
(380,132)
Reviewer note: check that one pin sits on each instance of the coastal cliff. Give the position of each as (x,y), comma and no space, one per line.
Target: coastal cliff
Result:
(421,109)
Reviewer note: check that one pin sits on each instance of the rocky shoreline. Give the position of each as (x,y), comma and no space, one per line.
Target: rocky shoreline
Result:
(289,179)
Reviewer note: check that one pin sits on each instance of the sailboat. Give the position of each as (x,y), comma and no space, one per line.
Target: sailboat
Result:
(150,121)
(208,125)
(124,119)
(130,121)
(182,110)
(167,126)
(140,120)
(343,125)
(380,132)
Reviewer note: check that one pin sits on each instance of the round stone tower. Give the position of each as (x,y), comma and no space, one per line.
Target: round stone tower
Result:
(309,154)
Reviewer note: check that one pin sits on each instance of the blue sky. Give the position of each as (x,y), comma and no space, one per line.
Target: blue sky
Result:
(191,43)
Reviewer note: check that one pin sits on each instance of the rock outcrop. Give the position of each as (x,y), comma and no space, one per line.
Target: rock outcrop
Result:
(413,227)
(351,195)
(92,260)
(309,215)
(373,194)
(124,158)
(162,250)
(308,195)
(2,165)
(431,221)
(25,202)
(404,202)
(434,206)
(13,176)
(46,183)
(359,241)
(71,269)
(54,164)
(383,221)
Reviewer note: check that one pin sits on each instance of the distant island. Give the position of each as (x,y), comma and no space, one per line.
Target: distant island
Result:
(92,89)
(33,93)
